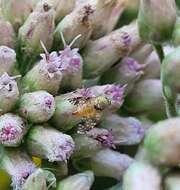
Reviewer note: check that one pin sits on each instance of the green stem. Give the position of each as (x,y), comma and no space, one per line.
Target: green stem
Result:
(170,105)
(170,100)
(160,52)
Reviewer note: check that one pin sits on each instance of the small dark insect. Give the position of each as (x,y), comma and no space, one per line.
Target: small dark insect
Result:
(10,87)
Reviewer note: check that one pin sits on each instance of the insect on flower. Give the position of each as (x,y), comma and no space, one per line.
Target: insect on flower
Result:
(90,109)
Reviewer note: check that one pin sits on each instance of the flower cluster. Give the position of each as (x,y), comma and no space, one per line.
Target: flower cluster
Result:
(87,94)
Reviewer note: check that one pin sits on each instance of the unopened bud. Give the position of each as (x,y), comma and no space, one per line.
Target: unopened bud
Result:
(45,75)
(140,176)
(7,60)
(9,93)
(103,136)
(162,142)
(141,53)
(63,117)
(146,97)
(102,13)
(101,54)
(110,163)
(48,143)
(113,18)
(79,21)
(125,130)
(62,8)
(18,165)
(38,27)
(16,12)
(81,181)
(128,71)
(7,34)
(156,20)
(106,162)
(37,107)
(85,146)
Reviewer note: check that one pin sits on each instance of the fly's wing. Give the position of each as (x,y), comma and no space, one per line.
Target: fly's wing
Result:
(78,100)
(86,125)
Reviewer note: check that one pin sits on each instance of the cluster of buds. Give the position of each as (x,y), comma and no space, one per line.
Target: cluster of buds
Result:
(91,86)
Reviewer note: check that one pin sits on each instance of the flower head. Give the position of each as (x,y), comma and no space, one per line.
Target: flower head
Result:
(103,136)
(69,57)
(8,133)
(12,130)
(51,61)
(54,145)
(115,93)
(62,149)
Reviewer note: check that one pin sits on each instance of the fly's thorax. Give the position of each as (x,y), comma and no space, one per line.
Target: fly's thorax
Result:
(101,103)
